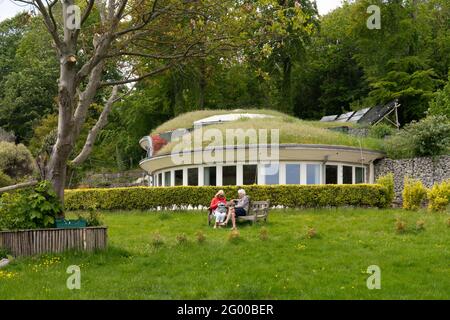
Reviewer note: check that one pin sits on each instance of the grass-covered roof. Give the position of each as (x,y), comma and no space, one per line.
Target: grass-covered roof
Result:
(292,130)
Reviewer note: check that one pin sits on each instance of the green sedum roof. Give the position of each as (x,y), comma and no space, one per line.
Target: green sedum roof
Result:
(292,130)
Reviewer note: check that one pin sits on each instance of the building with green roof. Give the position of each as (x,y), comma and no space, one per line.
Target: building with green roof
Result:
(245,147)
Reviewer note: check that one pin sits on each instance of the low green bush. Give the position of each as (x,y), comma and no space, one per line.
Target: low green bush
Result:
(16,160)
(29,208)
(439,197)
(294,196)
(413,194)
(381,131)
(5,180)
(427,137)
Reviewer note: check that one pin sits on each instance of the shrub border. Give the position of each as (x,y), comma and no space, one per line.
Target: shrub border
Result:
(293,196)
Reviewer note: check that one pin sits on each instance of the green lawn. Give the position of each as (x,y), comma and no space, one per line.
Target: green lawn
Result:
(288,265)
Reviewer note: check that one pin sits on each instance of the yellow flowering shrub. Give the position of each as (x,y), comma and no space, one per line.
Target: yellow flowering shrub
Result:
(413,194)
(439,197)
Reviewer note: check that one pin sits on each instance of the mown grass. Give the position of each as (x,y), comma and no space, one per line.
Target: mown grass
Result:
(299,254)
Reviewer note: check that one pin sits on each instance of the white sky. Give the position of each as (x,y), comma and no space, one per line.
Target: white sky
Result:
(9,8)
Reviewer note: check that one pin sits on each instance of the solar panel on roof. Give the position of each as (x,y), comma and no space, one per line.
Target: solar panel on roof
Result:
(366,116)
(377,113)
(329,118)
(358,115)
(345,117)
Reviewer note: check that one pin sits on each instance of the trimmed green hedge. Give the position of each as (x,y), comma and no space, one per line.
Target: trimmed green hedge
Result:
(144,198)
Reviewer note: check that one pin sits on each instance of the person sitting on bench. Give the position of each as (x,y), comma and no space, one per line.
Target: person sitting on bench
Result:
(239,209)
(218,208)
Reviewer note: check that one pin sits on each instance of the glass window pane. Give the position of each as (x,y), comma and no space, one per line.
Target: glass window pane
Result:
(229,175)
(178,177)
(272,173)
(313,174)
(167,178)
(250,174)
(359,175)
(159,179)
(193,177)
(347,175)
(331,174)
(292,174)
(209,176)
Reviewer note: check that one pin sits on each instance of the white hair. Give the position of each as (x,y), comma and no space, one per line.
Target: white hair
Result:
(241,191)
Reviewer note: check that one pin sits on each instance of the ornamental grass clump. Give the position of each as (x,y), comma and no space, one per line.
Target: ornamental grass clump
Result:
(420,225)
(311,233)
(182,239)
(201,238)
(264,234)
(157,240)
(400,226)
(234,236)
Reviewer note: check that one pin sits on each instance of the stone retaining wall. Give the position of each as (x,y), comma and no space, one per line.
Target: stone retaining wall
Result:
(425,169)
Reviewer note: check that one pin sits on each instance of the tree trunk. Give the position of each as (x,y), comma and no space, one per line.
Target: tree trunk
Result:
(286,86)
(202,84)
(57,167)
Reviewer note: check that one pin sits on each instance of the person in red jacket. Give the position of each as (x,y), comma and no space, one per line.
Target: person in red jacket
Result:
(218,207)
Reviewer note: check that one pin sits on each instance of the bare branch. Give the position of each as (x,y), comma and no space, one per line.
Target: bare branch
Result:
(99,125)
(18,186)
(87,11)
(86,97)
(49,20)
(131,80)
(146,19)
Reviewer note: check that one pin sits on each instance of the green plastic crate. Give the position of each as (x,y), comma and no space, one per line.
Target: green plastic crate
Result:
(70,224)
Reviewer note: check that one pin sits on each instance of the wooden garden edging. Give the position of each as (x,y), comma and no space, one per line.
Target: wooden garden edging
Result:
(37,241)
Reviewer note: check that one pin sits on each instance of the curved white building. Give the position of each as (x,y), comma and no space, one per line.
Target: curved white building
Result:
(201,163)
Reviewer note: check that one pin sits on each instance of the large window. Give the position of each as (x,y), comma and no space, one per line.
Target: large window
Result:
(347,175)
(178,177)
(209,176)
(272,173)
(331,174)
(292,174)
(250,174)
(229,175)
(193,177)
(359,175)
(159,179)
(167,178)
(313,174)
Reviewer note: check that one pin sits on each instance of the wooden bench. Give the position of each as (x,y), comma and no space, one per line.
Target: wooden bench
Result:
(258,210)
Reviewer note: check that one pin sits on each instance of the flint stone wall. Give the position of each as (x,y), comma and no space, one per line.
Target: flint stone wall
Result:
(426,169)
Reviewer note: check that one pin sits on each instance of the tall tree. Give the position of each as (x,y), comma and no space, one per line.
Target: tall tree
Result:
(140,38)
(28,82)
